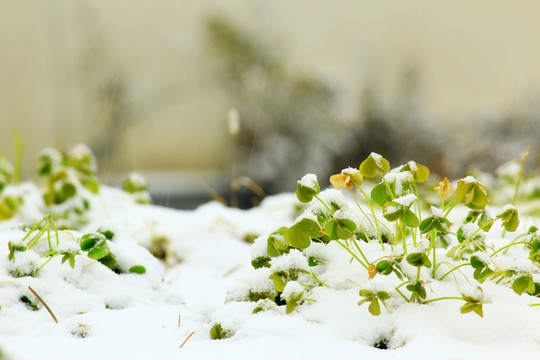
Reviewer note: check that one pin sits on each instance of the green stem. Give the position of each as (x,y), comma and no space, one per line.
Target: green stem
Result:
(451,270)
(45,263)
(520,174)
(433,248)
(353,254)
(468,239)
(319,280)
(400,293)
(509,245)
(388,188)
(326,206)
(360,250)
(442,298)
(374,217)
(450,206)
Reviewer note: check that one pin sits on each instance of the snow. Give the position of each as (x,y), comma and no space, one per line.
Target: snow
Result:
(207,277)
(293,260)
(398,177)
(406,200)
(309,180)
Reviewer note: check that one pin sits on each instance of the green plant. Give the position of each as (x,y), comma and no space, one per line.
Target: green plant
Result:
(411,256)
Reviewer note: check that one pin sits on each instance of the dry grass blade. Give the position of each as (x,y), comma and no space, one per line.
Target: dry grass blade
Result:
(188,337)
(44,303)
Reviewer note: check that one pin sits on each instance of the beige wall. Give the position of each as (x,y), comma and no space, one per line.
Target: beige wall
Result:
(475,57)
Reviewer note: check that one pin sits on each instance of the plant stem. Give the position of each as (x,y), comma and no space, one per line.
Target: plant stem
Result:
(318,280)
(322,202)
(520,174)
(442,298)
(451,270)
(360,250)
(353,254)
(509,245)
(372,213)
(44,303)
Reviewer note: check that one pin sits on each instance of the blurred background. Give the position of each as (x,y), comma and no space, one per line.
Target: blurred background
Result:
(157,87)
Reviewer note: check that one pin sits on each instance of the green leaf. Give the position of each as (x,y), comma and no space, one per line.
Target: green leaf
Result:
(374,307)
(261,261)
(373,164)
(382,266)
(472,193)
(418,259)
(137,269)
(306,188)
(365,293)
(279,282)
(410,219)
(110,262)
(96,245)
(109,235)
(476,262)
(92,184)
(276,245)
(523,283)
(393,211)
(299,235)
(510,219)
(420,172)
(217,332)
(9,206)
(340,229)
(476,307)
(380,195)
(383,295)
(426,225)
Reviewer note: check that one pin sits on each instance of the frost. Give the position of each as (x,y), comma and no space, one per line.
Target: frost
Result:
(472,291)
(482,256)
(258,248)
(138,180)
(256,281)
(398,177)
(307,214)
(309,180)
(329,196)
(348,213)
(508,207)
(293,260)
(469,180)
(406,200)
(469,229)
(293,288)
(317,251)
(436,212)
(349,171)
(412,166)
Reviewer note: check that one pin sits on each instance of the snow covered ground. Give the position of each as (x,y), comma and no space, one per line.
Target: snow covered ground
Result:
(167,312)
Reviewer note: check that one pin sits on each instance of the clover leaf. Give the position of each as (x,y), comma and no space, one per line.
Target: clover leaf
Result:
(299,235)
(340,229)
(307,187)
(276,244)
(373,164)
(510,219)
(419,172)
(470,191)
(96,245)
